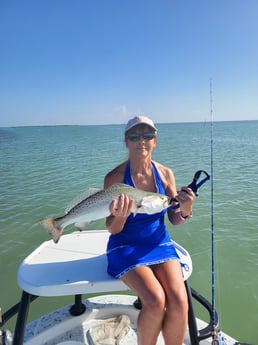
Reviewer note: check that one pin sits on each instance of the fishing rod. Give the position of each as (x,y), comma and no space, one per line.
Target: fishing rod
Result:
(216,336)
(215,339)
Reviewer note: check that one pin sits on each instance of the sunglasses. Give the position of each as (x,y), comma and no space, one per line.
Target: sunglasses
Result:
(137,137)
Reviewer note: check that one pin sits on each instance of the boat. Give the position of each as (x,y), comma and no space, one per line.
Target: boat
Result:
(76,266)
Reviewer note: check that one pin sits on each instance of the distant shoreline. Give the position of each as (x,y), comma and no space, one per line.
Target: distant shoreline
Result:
(121,124)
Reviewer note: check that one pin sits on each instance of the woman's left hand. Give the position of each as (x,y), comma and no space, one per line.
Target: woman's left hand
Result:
(185,197)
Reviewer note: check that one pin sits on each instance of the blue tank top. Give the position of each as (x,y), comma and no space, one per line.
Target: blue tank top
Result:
(142,229)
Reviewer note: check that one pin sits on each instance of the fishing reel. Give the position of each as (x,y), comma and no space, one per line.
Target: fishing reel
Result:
(217,339)
(6,337)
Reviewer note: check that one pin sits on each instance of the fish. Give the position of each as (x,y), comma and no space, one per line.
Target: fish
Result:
(96,206)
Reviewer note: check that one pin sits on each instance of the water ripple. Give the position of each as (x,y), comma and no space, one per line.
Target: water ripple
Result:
(43,169)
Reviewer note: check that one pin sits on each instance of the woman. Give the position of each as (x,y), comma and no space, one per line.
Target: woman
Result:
(140,251)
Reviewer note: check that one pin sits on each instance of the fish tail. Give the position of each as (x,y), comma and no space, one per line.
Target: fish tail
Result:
(52,228)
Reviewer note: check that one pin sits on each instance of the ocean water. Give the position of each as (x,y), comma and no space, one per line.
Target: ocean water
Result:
(43,168)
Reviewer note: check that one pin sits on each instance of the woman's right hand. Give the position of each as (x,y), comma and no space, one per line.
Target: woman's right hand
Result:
(121,207)
(119,211)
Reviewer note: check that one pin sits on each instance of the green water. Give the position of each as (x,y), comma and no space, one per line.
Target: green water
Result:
(43,168)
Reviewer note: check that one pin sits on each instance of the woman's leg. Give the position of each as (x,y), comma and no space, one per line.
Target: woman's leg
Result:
(143,281)
(169,274)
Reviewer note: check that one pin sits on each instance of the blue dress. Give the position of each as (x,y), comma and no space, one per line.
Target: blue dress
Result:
(144,239)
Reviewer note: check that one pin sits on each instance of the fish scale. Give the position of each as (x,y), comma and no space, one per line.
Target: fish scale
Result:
(96,206)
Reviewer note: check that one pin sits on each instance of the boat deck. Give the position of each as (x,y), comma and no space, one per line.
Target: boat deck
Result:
(60,328)
(77,265)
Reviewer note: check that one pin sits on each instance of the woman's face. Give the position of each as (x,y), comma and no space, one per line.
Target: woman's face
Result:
(141,140)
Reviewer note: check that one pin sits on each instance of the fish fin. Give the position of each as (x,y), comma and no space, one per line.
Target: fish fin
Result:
(79,198)
(50,225)
(82,225)
(119,184)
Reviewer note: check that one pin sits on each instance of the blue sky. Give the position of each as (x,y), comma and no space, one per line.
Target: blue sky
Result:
(102,61)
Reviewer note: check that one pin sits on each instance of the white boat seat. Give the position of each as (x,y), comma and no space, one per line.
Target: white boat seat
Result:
(76,265)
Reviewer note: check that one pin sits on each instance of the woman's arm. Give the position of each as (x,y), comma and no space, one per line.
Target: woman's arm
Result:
(184,196)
